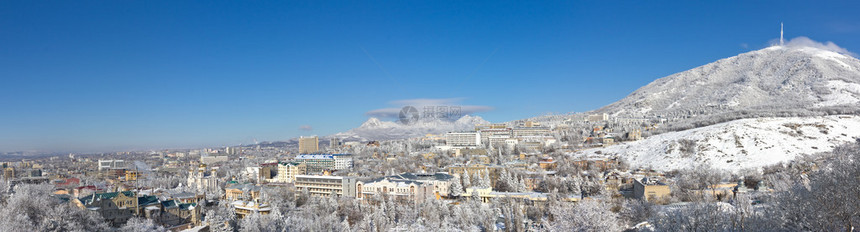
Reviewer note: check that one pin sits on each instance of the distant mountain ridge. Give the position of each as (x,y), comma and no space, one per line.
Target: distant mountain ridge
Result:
(375,129)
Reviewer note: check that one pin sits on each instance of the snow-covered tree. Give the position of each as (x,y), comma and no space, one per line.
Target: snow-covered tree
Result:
(587,215)
(138,224)
(455,189)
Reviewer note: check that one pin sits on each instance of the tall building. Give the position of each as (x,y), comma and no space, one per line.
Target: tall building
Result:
(9,173)
(308,145)
(334,143)
(233,150)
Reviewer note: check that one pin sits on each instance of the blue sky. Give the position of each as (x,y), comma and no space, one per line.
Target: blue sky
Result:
(113,75)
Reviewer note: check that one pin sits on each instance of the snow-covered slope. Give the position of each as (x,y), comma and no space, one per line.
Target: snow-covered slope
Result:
(774,78)
(375,129)
(739,144)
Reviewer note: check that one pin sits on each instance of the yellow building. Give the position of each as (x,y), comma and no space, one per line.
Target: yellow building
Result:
(650,189)
(132,175)
(287,172)
(308,145)
(245,208)
(245,192)
(9,173)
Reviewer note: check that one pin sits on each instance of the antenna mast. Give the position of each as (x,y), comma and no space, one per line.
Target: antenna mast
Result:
(780,35)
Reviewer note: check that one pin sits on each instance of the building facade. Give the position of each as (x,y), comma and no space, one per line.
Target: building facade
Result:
(203,180)
(463,139)
(287,172)
(326,185)
(309,145)
(318,163)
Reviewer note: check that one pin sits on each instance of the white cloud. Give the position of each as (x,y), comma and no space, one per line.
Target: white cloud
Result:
(306,128)
(803,41)
(421,103)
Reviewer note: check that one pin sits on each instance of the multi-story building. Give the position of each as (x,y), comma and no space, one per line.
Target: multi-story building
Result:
(334,143)
(463,139)
(114,207)
(242,192)
(112,164)
(287,172)
(309,145)
(531,131)
(326,185)
(9,173)
(440,181)
(233,150)
(245,208)
(598,117)
(320,162)
(342,161)
(398,189)
(213,159)
(202,180)
(132,175)
(268,171)
(179,215)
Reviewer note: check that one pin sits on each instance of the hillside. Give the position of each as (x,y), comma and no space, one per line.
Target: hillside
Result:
(777,78)
(739,144)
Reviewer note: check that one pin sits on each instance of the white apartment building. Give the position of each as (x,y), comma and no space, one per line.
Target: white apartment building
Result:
(213,159)
(598,117)
(326,185)
(463,139)
(112,164)
(342,161)
(531,131)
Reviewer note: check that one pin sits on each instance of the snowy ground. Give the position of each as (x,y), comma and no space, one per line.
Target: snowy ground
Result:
(739,144)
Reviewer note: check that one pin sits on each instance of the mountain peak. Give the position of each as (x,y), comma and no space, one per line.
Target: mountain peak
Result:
(777,77)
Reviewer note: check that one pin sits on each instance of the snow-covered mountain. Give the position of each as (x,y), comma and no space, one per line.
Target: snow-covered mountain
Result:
(800,80)
(774,78)
(375,129)
(739,144)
